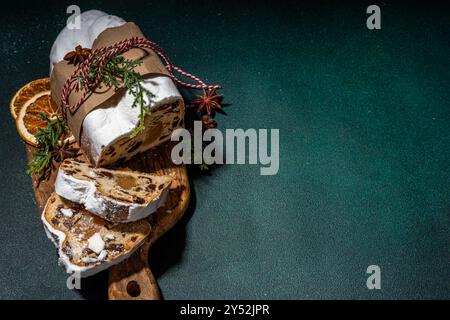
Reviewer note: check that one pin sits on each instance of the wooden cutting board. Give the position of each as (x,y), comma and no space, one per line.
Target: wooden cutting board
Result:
(132,279)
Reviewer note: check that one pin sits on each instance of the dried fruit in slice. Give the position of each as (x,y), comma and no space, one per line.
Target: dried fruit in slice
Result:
(28,92)
(29,119)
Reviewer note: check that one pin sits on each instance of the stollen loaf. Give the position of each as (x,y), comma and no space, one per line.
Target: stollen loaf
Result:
(105,134)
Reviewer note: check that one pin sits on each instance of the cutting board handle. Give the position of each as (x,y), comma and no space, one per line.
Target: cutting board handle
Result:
(132,279)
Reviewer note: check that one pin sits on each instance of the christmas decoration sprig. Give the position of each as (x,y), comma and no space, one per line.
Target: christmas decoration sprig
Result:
(119,73)
(47,142)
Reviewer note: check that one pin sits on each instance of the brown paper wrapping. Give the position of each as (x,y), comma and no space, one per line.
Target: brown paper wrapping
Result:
(103,96)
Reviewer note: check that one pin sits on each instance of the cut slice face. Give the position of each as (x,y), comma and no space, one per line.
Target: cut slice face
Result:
(27,92)
(86,243)
(29,119)
(114,195)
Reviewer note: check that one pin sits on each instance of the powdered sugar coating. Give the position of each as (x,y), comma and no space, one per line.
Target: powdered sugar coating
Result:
(92,23)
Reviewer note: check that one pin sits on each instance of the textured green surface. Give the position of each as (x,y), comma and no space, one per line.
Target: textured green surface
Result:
(364,152)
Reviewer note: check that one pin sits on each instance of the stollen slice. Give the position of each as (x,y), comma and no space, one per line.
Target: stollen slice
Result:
(87,244)
(114,195)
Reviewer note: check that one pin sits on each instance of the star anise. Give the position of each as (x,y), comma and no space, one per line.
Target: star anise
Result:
(77,56)
(208,102)
(64,151)
(208,123)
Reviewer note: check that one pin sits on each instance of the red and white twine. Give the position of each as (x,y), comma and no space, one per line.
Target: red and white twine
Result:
(100,55)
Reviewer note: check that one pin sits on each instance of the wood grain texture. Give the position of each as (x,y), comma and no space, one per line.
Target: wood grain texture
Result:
(132,279)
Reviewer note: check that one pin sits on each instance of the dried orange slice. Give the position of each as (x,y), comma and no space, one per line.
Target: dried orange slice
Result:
(29,119)
(26,93)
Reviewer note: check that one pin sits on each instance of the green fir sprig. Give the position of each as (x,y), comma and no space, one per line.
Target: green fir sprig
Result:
(119,73)
(47,143)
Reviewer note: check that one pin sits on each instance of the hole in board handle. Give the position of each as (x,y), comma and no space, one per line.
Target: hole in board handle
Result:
(133,289)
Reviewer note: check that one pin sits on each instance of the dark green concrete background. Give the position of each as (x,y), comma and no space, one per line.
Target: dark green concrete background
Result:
(364,151)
